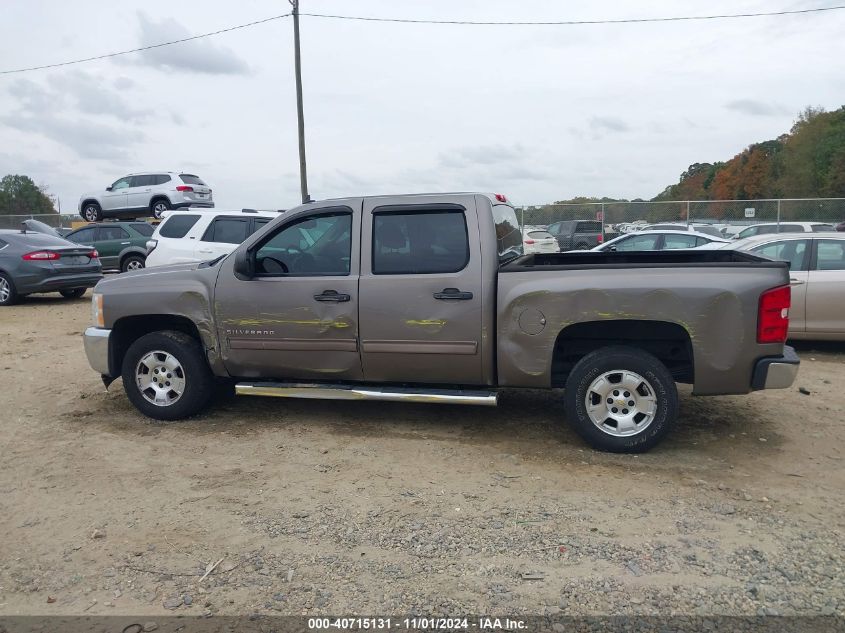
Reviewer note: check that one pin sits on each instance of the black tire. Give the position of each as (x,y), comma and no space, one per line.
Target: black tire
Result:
(132,262)
(8,293)
(196,374)
(649,368)
(159,206)
(73,293)
(91,212)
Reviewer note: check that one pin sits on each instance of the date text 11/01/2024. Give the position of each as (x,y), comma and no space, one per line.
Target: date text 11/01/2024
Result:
(418,623)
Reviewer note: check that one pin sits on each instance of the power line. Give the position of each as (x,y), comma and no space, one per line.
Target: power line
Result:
(145,48)
(575,22)
(420,21)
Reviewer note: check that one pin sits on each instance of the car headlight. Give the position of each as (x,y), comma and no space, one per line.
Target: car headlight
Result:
(97,316)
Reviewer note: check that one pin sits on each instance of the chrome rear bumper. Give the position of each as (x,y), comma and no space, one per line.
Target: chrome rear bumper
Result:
(776,372)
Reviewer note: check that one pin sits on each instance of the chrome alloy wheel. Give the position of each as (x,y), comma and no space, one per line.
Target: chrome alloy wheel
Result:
(160,378)
(5,290)
(621,403)
(135,265)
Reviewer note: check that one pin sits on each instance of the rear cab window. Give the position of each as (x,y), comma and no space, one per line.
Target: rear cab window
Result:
(177,226)
(508,236)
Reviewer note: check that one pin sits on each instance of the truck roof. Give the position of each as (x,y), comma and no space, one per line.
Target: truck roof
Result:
(495,198)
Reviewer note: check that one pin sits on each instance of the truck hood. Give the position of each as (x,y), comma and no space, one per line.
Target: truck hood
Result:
(170,274)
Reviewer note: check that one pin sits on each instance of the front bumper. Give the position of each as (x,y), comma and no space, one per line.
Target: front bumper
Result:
(776,372)
(97,349)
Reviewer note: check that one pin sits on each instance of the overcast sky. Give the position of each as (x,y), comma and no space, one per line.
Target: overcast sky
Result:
(542,113)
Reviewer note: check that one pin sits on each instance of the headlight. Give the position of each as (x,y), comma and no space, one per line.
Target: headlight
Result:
(97,310)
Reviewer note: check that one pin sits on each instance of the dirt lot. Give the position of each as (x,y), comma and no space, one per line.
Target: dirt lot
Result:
(326,507)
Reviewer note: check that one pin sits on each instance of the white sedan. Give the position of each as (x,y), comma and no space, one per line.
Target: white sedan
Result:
(655,240)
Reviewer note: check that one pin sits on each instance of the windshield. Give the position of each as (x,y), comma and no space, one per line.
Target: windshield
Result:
(508,235)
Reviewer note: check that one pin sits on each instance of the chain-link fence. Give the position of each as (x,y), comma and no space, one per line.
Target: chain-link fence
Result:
(50,219)
(728,215)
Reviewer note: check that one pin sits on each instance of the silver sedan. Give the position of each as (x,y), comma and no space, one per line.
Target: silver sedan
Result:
(817,276)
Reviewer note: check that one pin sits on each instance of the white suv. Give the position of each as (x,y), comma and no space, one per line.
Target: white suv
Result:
(144,195)
(197,235)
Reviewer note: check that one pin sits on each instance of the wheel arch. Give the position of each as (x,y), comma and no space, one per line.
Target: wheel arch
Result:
(160,197)
(127,330)
(130,250)
(88,201)
(670,342)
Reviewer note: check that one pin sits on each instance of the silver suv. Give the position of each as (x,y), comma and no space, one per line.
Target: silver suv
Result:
(144,195)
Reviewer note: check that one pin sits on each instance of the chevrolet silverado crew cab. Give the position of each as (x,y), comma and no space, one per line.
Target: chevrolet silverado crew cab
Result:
(429,298)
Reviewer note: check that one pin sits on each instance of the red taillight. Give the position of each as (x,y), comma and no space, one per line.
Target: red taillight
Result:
(93,254)
(500,197)
(601,238)
(38,256)
(773,315)
(184,188)
(528,241)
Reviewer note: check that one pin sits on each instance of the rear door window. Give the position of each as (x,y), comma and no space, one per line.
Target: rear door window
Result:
(420,242)
(792,251)
(822,228)
(84,236)
(177,226)
(645,242)
(227,230)
(141,181)
(589,227)
(672,241)
(113,233)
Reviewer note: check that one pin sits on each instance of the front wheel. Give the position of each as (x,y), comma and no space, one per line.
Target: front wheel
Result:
(166,376)
(133,262)
(621,399)
(73,293)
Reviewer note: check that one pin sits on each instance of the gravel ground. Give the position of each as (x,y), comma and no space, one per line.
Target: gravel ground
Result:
(321,507)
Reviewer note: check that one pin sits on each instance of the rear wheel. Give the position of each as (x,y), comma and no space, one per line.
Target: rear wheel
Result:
(621,399)
(133,262)
(92,212)
(8,294)
(166,376)
(73,293)
(159,206)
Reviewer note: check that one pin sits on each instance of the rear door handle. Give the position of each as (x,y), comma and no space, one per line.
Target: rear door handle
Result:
(796,282)
(453,293)
(332,295)
(124,243)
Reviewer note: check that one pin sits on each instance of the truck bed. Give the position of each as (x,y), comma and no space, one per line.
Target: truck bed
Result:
(638,259)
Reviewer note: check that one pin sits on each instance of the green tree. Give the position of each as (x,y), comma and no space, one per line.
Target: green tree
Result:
(20,195)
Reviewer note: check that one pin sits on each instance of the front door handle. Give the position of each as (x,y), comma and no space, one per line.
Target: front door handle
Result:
(332,295)
(796,282)
(453,293)
(124,243)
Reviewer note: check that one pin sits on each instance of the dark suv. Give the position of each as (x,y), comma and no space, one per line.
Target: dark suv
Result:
(122,245)
(579,235)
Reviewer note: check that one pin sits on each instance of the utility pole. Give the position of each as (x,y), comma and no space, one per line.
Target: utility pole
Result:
(300,117)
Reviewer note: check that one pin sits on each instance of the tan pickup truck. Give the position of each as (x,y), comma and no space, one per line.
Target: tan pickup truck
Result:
(428,298)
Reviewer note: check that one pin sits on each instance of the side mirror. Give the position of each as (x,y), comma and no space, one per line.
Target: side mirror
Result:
(108,188)
(612,248)
(244,265)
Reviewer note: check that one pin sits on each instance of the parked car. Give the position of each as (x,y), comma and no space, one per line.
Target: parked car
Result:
(146,194)
(659,241)
(537,240)
(765,228)
(577,234)
(817,276)
(122,245)
(33,262)
(199,235)
(698,227)
(428,298)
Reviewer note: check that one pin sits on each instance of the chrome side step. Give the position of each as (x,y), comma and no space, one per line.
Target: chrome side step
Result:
(363,392)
